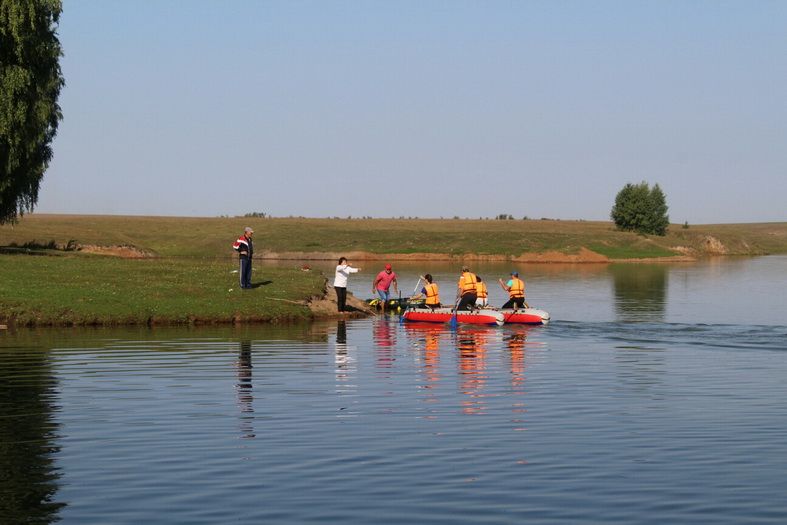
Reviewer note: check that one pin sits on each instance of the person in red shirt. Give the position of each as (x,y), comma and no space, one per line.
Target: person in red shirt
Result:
(382,284)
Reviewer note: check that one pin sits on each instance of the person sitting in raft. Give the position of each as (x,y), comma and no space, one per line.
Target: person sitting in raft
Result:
(481,292)
(466,289)
(516,291)
(430,292)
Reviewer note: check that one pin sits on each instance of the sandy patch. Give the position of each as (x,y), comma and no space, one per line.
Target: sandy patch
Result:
(123,251)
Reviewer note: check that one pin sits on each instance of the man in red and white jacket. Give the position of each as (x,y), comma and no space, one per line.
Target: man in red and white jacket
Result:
(245,249)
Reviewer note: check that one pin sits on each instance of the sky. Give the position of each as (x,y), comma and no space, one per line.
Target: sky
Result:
(544,109)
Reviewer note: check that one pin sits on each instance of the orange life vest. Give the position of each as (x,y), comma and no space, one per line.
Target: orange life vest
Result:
(432,296)
(480,290)
(467,283)
(517,289)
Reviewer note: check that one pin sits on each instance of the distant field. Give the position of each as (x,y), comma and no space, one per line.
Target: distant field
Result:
(212,237)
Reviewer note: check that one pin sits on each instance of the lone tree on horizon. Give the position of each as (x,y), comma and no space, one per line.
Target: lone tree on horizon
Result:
(640,209)
(30,83)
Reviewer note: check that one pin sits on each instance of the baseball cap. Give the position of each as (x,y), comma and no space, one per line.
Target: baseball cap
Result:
(515,273)
(248,230)
(387,266)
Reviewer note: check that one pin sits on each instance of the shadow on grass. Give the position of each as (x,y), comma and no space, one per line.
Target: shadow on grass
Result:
(20,250)
(261,283)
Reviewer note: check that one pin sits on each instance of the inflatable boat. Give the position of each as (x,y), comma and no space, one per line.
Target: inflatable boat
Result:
(525,316)
(484,316)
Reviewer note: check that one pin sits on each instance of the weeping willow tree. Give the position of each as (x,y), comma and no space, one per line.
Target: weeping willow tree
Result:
(30,83)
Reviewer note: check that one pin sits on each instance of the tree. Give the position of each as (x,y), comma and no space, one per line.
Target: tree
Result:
(30,83)
(641,209)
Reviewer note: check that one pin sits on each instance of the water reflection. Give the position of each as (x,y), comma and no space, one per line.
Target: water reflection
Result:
(28,438)
(345,364)
(515,343)
(640,291)
(384,336)
(424,339)
(472,346)
(243,390)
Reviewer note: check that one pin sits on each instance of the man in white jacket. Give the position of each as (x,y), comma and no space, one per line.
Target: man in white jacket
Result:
(343,270)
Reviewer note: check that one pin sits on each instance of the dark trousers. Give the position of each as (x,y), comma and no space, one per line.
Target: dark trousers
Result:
(467,301)
(245,272)
(515,302)
(341,297)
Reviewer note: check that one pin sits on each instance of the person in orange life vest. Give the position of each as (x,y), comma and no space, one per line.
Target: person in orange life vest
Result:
(516,291)
(466,289)
(383,282)
(429,291)
(481,292)
(245,249)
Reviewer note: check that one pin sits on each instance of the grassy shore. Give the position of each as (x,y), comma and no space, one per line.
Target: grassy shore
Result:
(96,290)
(52,275)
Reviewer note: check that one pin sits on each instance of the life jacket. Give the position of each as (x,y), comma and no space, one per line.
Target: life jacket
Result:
(480,290)
(467,282)
(517,290)
(432,296)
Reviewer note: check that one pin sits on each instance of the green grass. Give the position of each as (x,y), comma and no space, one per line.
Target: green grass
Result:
(188,280)
(212,237)
(634,251)
(85,290)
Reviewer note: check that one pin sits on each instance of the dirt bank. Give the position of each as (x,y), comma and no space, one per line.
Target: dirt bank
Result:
(123,251)
(584,256)
(326,306)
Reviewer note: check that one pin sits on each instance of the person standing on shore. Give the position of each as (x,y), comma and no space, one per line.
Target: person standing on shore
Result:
(382,284)
(467,289)
(343,270)
(245,248)
(516,291)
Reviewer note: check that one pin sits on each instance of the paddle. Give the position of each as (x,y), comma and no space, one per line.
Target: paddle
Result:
(454,323)
(401,317)
(417,284)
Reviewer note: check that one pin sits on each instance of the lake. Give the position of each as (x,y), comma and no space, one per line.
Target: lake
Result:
(657,394)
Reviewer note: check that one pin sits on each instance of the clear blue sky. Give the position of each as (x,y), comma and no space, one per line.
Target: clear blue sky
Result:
(429,109)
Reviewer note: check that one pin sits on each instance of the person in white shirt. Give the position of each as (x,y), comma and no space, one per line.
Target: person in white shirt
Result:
(343,270)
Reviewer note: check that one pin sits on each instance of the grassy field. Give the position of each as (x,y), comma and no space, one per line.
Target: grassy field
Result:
(212,237)
(99,290)
(186,276)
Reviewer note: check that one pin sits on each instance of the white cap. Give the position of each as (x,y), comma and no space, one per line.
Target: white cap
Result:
(247,230)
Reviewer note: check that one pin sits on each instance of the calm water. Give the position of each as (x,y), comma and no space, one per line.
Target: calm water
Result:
(658,394)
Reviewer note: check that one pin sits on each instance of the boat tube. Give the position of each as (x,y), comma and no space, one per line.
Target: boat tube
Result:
(483,316)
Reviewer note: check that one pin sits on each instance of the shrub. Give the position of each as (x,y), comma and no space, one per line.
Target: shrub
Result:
(640,209)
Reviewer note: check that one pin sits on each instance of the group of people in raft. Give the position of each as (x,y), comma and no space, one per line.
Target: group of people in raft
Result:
(471,289)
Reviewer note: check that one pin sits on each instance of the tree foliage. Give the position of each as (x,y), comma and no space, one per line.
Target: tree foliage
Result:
(30,83)
(641,209)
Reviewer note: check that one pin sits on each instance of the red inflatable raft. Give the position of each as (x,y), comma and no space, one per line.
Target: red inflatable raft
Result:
(525,316)
(443,315)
